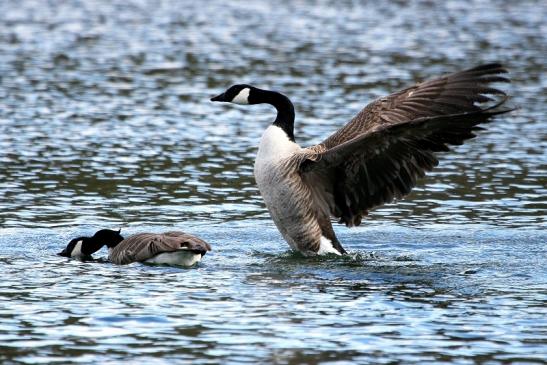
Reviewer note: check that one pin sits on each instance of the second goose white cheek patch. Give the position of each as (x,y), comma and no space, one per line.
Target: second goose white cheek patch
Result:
(77,251)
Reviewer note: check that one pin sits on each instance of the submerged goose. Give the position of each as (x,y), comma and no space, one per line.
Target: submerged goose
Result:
(372,160)
(172,248)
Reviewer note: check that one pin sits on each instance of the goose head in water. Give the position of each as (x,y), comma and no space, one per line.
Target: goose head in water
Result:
(84,247)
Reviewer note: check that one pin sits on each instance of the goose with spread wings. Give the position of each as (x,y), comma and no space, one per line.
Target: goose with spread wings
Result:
(374,159)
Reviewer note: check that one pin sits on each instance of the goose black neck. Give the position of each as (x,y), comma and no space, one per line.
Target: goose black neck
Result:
(284,107)
(90,245)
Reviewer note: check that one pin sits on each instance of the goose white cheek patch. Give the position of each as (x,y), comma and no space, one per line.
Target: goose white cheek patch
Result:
(242,97)
(77,251)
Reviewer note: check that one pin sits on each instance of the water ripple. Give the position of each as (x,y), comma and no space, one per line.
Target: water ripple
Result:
(106,121)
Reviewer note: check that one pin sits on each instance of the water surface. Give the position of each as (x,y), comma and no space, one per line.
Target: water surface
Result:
(105,122)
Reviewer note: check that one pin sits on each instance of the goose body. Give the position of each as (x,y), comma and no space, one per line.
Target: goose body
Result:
(302,221)
(374,159)
(171,248)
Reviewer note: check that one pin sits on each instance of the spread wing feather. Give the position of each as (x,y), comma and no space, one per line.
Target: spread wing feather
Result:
(378,156)
(451,94)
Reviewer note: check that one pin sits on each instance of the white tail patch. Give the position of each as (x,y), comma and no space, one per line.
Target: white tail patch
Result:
(242,97)
(326,247)
(179,258)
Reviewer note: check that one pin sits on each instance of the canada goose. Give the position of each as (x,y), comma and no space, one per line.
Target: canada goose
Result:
(372,160)
(172,248)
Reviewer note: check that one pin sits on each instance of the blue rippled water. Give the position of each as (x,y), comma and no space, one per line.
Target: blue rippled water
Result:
(105,122)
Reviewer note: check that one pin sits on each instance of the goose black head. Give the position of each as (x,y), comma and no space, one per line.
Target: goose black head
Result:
(247,94)
(237,94)
(74,248)
(83,247)
(108,237)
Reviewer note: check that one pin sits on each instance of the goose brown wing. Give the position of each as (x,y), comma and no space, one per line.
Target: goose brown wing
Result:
(143,246)
(451,94)
(381,153)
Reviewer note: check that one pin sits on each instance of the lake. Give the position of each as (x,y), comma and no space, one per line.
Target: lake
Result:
(105,122)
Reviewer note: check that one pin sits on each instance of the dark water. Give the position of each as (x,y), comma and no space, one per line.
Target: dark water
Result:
(105,122)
